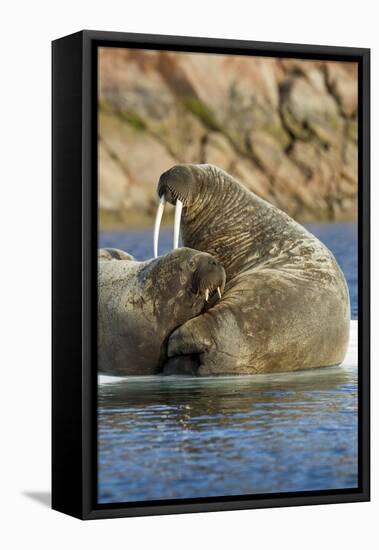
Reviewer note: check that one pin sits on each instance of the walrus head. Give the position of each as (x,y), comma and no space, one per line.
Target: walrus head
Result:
(218,215)
(196,276)
(208,276)
(177,183)
(178,186)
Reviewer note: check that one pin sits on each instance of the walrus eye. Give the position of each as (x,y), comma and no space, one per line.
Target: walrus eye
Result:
(192,264)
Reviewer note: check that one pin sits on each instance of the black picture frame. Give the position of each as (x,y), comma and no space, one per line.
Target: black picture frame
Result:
(74,205)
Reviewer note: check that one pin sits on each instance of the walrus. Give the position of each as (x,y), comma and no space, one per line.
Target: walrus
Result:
(286,303)
(141,303)
(105,254)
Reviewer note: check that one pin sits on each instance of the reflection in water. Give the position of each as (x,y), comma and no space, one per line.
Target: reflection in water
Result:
(179,437)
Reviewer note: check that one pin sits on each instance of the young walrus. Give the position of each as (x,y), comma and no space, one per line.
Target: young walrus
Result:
(141,303)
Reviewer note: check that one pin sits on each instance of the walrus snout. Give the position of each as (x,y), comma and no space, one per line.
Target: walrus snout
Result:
(174,186)
(208,276)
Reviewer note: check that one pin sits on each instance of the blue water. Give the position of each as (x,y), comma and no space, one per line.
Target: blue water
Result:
(182,437)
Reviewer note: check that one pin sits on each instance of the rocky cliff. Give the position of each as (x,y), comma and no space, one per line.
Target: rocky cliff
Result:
(286,128)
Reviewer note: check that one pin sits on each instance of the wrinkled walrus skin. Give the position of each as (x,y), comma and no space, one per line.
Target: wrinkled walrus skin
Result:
(141,303)
(286,302)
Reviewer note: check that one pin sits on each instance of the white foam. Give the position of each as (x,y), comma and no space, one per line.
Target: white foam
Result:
(350,361)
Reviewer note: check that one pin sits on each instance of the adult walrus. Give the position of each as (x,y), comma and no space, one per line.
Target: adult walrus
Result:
(286,303)
(141,303)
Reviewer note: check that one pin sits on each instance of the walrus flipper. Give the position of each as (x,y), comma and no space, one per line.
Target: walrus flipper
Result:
(193,337)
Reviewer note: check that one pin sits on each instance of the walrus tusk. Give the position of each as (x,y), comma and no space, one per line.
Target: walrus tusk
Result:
(178,215)
(158,219)
(219,292)
(206,294)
